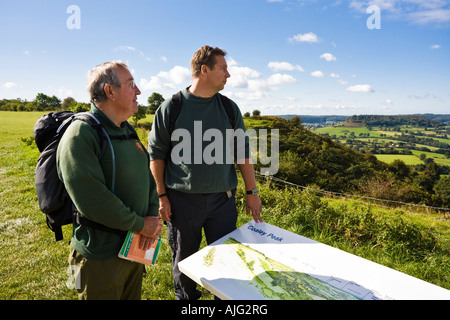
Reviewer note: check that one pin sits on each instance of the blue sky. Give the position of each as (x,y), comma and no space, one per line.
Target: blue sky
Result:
(309,57)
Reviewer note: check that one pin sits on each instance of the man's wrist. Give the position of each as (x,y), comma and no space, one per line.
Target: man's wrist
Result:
(253,192)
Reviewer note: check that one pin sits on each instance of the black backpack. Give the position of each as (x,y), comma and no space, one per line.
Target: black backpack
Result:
(53,198)
(176,109)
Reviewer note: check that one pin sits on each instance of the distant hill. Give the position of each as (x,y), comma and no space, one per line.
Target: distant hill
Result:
(311,119)
(394,120)
(445,118)
(422,119)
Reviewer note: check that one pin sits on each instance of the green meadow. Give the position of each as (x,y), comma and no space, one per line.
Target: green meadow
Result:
(379,136)
(33,266)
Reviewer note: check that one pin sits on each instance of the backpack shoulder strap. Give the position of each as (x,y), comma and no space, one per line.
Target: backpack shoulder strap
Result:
(92,120)
(229,109)
(104,139)
(175,110)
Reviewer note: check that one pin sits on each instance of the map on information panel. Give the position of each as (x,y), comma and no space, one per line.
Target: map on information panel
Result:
(260,261)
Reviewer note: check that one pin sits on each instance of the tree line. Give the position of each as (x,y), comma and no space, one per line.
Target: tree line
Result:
(395,120)
(43,102)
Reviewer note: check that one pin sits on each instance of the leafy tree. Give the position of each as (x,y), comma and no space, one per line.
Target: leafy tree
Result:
(295,121)
(44,102)
(81,107)
(399,169)
(140,114)
(442,189)
(428,178)
(68,103)
(154,101)
(256,113)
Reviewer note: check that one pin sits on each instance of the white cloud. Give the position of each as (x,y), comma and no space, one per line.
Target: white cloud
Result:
(63,93)
(427,96)
(246,95)
(360,88)
(231,62)
(334,75)
(132,49)
(328,57)
(435,46)
(306,37)
(318,74)
(279,78)
(9,85)
(166,79)
(176,75)
(430,16)
(254,86)
(240,76)
(284,66)
(259,85)
(154,84)
(416,11)
(125,48)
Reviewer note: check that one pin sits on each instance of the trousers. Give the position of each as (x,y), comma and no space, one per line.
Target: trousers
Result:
(214,213)
(111,279)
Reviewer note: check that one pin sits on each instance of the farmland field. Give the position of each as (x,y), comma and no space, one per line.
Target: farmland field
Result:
(382,138)
(409,160)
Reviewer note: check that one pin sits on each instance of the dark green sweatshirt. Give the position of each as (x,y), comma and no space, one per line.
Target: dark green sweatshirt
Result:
(87,178)
(200,141)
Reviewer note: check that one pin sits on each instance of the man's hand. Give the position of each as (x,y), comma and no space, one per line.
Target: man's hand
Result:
(145,243)
(254,206)
(152,227)
(165,210)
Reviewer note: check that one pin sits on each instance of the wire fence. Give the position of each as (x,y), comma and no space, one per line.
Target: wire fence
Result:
(382,203)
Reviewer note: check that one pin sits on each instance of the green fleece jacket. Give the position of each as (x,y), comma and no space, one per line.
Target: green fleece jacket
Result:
(87,178)
(197,152)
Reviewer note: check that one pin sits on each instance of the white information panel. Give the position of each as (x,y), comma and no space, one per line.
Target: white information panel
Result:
(260,261)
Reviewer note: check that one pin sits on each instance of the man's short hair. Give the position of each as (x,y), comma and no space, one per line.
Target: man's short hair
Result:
(101,75)
(206,55)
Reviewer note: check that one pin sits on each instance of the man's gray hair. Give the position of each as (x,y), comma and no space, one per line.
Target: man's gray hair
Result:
(101,75)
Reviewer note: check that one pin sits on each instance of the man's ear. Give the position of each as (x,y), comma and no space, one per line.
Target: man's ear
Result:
(109,91)
(204,69)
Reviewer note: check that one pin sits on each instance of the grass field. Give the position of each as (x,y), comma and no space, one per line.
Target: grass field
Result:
(338,131)
(34,266)
(408,159)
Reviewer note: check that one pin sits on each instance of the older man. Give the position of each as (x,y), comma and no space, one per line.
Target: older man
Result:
(198,193)
(87,175)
